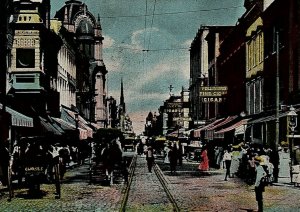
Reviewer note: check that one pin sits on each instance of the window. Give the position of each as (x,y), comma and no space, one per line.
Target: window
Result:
(25,58)
(25,79)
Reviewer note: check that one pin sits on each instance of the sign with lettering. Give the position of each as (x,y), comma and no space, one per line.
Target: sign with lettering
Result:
(27,32)
(213,91)
(174,105)
(212,99)
(34,169)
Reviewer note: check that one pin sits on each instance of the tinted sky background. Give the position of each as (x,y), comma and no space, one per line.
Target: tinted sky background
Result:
(167,35)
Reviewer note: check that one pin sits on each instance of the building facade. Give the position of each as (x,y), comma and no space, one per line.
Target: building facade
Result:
(91,93)
(65,83)
(33,58)
(198,75)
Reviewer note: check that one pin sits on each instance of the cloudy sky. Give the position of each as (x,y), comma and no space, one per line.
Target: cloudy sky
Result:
(146,42)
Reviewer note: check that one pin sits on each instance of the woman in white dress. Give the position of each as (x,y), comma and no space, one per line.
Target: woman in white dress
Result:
(166,151)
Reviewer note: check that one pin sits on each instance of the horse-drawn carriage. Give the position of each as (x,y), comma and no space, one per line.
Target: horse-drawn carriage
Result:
(33,161)
(108,164)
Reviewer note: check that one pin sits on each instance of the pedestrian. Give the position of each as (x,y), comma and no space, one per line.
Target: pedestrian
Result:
(150,158)
(167,148)
(204,164)
(259,184)
(173,158)
(236,156)
(227,161)
(180,153)
(4,159)
(140,147)
(251,169)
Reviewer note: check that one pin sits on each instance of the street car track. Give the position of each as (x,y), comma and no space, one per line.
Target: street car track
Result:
(127,188)
(161,179)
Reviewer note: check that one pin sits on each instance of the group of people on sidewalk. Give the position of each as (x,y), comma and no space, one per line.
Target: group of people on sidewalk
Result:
(253,163)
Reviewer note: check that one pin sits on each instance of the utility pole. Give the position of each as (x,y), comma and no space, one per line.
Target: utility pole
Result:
(276,156)
(277,91)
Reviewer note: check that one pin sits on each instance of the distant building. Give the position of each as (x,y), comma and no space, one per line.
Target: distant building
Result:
(175,113)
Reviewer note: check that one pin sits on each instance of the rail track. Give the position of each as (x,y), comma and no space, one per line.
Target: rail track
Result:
(161,179)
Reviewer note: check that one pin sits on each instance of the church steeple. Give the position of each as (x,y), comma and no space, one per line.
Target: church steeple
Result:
(122,103)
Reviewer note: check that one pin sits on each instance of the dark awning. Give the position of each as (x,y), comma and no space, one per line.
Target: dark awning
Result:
(49,127)
(18,119)
(269,118)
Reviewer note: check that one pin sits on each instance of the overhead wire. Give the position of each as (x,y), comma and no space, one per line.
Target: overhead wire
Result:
(151,23)
(149,50)
(145,30)
(174,13)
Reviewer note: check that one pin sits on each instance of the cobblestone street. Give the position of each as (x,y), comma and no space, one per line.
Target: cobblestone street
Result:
(193,191)
(146,193)
(76,195)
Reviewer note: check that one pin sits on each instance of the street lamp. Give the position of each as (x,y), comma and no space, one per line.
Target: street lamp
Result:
(292,124)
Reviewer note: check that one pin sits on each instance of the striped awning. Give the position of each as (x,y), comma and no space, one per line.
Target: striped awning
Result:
(49,127)
(209,132)
(197,132)
(240,125)
(19,119)
(69,116)
(83,134)
(82,123)
(95,125)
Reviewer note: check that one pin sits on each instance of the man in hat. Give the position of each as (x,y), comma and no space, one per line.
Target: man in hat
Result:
(150,158)
(259,186)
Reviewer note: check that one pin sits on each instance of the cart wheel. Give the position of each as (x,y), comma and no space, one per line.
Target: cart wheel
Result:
(57,180)
(9,183)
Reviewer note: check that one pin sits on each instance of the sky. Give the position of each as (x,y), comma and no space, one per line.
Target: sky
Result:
(146,42)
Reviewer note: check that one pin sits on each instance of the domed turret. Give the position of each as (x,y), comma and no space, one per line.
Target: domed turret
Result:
(85,30)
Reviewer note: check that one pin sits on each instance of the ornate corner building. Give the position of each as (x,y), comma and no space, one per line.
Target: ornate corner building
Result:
(91,93)
(32,56)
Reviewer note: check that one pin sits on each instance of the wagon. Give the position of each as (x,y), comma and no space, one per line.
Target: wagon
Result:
(32,160)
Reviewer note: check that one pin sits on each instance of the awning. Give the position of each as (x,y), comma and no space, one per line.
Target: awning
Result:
(64,125)
(82,123)
(48,127)
(270,117)
(209,133)
(188,132)
(197,132)
(69,116)
(95,125)
(18,119)
(240,124)
(176,133)
(68,126)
